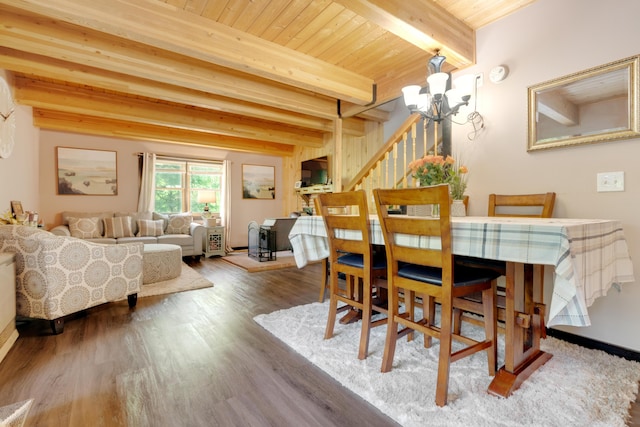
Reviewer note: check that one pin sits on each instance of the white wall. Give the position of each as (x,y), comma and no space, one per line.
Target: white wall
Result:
(19,172)
(543,41)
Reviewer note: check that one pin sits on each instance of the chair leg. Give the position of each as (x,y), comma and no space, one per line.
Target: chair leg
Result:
(352,293)
(57,325)
(132,300)
(410,304)
(429,310)
(392,331)
(365,330)
(333,306)
(490,312)
(325,279)
(457,321)
(444,363)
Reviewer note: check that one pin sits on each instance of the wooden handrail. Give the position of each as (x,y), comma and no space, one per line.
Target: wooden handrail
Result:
(382,152)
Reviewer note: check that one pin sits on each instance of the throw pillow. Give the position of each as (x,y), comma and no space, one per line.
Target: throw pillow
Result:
(85,228)
(135,216)
(116,227)
(179,224)
(165,219)
(150,228)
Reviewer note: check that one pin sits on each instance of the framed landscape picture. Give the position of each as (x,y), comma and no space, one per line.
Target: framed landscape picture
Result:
(87,172)
(258,182)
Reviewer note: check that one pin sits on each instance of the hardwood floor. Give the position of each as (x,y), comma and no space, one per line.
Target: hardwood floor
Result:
(188,359)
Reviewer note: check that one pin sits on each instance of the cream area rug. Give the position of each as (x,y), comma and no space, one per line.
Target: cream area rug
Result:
(577,387)
(189,279)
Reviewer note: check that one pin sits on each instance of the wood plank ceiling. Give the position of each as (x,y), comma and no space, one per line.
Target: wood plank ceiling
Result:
(257,76)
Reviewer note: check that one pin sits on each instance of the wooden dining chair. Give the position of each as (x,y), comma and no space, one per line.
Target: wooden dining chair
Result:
(522,205)
(513,205)
(429,272)
(346,218)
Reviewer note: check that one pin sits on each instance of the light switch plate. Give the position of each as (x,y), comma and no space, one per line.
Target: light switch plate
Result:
(610,181)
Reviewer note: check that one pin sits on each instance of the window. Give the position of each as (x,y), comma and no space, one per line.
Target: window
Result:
(179,181)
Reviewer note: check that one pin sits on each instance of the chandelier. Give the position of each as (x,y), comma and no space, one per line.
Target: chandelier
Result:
(434,102)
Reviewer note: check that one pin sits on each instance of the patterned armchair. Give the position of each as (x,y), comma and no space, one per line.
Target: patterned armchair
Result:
(57,276)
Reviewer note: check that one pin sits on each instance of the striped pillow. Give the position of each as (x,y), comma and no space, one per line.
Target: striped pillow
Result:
(117,227)
(150,228)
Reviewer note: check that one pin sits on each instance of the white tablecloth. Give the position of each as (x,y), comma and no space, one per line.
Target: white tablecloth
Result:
(588,255)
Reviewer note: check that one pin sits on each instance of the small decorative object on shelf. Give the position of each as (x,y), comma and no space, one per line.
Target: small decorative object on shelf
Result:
(308,194)
(214,242)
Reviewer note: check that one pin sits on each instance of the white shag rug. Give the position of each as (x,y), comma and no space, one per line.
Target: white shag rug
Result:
(577,387)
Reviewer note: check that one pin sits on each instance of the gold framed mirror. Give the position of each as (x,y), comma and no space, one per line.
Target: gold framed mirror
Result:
(595,105)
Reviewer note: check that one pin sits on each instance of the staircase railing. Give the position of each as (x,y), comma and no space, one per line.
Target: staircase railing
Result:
(388,167)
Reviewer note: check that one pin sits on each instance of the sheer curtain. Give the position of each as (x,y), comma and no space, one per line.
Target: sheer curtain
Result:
(146,201)
(225,215)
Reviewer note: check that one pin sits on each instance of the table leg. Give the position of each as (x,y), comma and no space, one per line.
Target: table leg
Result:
(524,326)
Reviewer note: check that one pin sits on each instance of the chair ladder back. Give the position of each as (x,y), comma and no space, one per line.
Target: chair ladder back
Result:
(337,213)
(396,228)
(544,201)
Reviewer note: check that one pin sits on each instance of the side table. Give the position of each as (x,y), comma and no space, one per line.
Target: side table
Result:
(214,241)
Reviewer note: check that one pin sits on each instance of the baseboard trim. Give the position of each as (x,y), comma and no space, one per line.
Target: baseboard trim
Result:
(595,345)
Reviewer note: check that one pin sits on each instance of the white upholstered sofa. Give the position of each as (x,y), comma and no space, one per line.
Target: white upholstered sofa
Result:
(128,227)
(57,276)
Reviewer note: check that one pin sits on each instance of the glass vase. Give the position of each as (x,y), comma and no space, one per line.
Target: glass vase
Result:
(435,211)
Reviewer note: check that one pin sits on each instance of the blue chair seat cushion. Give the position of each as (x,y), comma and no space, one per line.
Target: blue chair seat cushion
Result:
(490,264)
(356,260)
(462,276)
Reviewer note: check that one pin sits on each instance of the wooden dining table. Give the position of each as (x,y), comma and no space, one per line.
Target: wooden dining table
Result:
(588,256)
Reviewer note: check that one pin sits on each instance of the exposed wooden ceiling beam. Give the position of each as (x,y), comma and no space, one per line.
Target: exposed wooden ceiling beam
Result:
(120,129)
(35,65)
(423,23)
(162,26)
(76,100)
(55,40)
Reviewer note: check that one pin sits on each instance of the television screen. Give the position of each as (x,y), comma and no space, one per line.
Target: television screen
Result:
(314,172)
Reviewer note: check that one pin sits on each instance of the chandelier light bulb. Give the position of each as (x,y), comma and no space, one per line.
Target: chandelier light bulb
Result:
(454,96)
(438,83)
(411,95)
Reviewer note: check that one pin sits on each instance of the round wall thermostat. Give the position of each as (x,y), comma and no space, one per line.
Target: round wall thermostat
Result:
(498,74)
